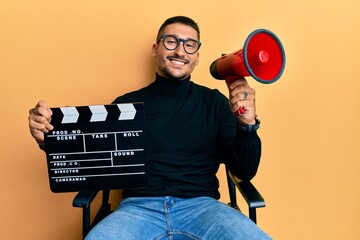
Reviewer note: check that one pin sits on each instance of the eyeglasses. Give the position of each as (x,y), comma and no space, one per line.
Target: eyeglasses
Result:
(171,42)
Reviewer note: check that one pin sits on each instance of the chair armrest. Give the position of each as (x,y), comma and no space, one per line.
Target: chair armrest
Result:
(84,199)
(251,195)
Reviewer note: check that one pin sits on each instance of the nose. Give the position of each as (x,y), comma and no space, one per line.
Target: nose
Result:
(180,49)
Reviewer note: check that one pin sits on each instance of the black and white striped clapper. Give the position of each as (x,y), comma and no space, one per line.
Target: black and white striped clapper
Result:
(97,147)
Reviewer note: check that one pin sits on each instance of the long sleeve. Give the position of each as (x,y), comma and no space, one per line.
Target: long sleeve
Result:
(240,150)
(245,155)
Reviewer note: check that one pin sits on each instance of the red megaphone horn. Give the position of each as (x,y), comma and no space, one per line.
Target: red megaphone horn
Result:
(263,58)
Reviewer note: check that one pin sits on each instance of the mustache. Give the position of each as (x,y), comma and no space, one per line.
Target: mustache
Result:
(178,58)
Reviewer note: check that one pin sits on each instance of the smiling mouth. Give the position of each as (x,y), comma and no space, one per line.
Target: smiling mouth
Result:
(177,61)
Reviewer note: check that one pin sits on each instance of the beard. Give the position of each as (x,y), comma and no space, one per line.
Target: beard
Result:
(173,76)
(175,73)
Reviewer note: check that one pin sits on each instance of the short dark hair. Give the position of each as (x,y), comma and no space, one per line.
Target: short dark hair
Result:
(179,19)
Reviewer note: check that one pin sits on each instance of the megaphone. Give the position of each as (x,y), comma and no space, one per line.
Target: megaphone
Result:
(262,57)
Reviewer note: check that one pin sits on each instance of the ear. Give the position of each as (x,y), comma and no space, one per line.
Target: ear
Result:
(154,50)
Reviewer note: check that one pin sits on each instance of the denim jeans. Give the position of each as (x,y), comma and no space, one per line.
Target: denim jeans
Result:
(172,218)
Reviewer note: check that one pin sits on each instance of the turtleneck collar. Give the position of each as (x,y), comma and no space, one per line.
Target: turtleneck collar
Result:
(171,87)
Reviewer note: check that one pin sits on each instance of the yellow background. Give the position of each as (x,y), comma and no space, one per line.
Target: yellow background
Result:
(83,52)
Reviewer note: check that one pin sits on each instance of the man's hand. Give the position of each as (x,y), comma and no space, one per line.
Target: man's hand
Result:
(39,121)
(242,100)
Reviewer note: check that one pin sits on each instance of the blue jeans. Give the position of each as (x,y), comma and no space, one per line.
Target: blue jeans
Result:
(171,218)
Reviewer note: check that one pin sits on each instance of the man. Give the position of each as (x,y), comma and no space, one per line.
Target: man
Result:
(190,130)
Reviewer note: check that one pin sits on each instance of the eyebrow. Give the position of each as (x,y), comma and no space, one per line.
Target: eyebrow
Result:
(189,38)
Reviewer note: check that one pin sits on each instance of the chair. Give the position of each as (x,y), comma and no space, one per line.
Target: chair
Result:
(252,197)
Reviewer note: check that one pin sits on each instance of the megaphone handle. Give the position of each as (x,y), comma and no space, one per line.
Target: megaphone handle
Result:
(241,110)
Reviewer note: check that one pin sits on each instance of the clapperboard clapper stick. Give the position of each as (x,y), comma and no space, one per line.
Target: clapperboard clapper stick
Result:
(97,147)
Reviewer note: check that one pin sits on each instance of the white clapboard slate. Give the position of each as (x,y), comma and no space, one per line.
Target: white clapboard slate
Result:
(97,147)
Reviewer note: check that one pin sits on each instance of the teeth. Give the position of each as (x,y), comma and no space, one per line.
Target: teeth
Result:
(178,62)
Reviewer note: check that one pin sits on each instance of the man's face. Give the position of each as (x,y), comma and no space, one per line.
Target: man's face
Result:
(175,64)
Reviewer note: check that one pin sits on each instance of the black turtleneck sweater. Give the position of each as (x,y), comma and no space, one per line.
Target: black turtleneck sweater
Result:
(190,130)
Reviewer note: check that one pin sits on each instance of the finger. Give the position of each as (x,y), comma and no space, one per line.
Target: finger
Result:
(233,84)
(39,115)
(43,105)
(40,123)
(38,130)
(38,135)
(242,90)
(247,105)
(241,97)
(246,114)
(41,109)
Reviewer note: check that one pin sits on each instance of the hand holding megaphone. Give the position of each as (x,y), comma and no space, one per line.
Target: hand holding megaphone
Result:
(262,57)
(242,100)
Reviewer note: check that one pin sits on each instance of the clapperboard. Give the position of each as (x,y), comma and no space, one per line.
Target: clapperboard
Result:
(97,147)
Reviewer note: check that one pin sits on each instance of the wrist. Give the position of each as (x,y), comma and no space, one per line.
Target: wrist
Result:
(250,127)
(41,144)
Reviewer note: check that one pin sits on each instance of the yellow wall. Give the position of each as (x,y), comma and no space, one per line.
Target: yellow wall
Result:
(77,52)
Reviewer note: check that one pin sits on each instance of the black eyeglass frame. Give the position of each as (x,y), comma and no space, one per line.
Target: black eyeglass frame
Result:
(178,40)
